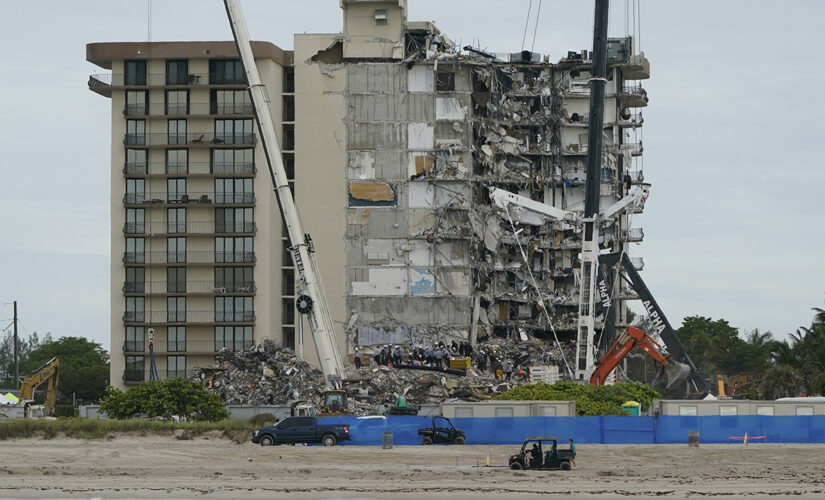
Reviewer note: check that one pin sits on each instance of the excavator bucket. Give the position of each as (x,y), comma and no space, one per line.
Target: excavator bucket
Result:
(676,372)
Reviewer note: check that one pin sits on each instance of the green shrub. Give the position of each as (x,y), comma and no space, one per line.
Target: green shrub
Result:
(263,419)
(165,398)
(86,428)
(591,400)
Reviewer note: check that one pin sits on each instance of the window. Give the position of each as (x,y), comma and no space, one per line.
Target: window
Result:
(135,191)
(463,412)
(135,280)
(238,249)
(234,191)
(289,166)
(288,311)
(134,251)
(135,340)
(504,412)
(176,280)
(177,131)
(288,336)
(687,410)
(135,221)
(764,410)
(176,191)
(134,72)
(289,79)
(289,137)
(134,369)
(234,338)
(233,161)
(230,102)
(728,410)
(444,81)
(234,220)
(234,279)
(238,131)
(176,339)
(288,285)
(804,410)
(176,309)
(175,366)
(135,309)
(234,309)
(136,162)
(380,17)
(175,220)
(286,254)
(176,250)
(177,72)
(289,108)
(177,102)
(226,71)
(177,161)
(135,132)
(137,102)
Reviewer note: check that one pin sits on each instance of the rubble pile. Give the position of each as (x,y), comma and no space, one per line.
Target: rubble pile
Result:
(265,374)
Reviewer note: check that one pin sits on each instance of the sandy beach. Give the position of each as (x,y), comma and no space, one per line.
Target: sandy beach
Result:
(213,467)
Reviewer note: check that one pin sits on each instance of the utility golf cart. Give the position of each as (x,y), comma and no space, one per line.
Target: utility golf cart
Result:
(544,455)
(442,431)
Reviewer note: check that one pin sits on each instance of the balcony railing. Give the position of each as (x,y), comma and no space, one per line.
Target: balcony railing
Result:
(638,263)
(635,148)
(163,228)
(190,287)
(162,79)
(193,108)
(197,257)
(187,346)
(190,139)
(143,375)
(180,198)
(192,168)
(635,234)
(190,317)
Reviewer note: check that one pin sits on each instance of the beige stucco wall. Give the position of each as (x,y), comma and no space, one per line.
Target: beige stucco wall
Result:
(320,163)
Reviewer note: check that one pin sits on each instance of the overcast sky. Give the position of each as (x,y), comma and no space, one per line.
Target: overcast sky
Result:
(733,226)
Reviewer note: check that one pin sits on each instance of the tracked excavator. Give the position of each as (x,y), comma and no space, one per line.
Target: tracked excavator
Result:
(312,300)
(49,373)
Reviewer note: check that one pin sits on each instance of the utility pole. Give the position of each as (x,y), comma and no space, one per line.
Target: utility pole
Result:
(16,352)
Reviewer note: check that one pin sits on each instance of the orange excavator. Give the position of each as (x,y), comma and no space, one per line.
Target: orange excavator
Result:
(629,339)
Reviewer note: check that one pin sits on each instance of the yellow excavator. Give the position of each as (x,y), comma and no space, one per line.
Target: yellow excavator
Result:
(48,372)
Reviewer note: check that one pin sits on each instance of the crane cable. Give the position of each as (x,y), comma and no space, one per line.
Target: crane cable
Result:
(526,24)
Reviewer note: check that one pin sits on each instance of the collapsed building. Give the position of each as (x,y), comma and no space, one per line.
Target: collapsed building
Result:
(429,131)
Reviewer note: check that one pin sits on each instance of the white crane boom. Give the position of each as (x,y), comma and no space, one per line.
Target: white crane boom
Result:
(312,301)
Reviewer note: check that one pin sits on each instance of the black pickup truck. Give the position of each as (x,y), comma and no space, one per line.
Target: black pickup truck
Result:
(300,430)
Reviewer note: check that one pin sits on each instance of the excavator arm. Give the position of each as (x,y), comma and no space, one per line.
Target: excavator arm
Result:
(631,338)
(48,372)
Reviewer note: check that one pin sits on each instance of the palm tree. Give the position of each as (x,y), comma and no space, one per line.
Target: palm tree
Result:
(758,339)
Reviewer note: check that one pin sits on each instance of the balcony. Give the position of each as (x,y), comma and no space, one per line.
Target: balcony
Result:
(633,97)
(104,83)
(165,228)
(638,263)
(188,317)
(190,287)
(162,198)
(137,376)
(191,109)
(192,168)
(208,257)
(635,235)
(186,346)
(631,119)
(188,139)
(634,148)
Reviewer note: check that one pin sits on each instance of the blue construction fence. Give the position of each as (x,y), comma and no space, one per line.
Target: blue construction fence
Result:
(600,430)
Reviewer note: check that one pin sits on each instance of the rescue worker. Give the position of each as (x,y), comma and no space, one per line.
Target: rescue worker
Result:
(573,449)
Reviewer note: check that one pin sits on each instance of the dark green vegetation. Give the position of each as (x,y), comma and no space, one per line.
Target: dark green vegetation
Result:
(591,400)
(85,428)
(84,367)
(165,398)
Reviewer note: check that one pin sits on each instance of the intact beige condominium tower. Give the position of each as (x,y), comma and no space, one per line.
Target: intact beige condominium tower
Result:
(393,136)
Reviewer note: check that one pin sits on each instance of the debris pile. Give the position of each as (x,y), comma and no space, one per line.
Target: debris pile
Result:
(271,374)
(265,374)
